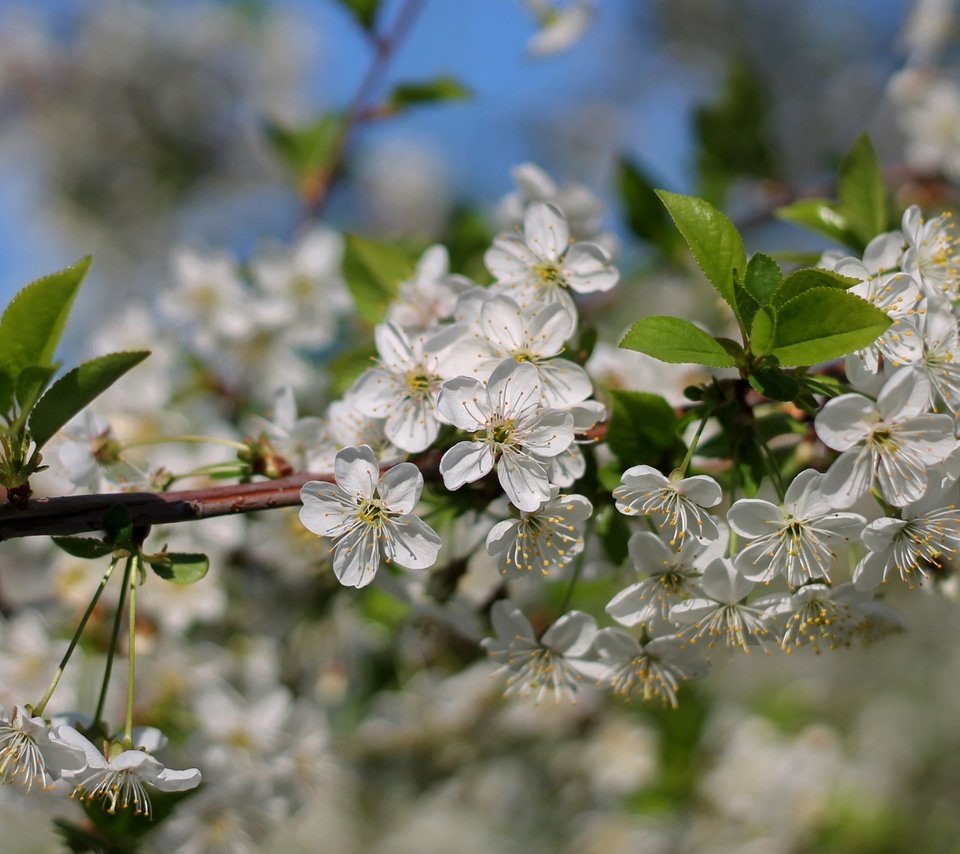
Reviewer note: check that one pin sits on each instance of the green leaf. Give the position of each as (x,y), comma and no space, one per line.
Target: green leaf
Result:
(441,88)
(672,339)
(32,324)
(862,192)
(7,387)
(645,214)
(308,149)
(32,382)
(801,281)
(746,306)
(642,428)
(373,272)
(75,390)
(585,344)
(821,216)
(762,332)
(774,383)
(614,534)
(762,279)
(714,241)
(823,324)
(365,11)
(179,567)
(734,133)
(85,548)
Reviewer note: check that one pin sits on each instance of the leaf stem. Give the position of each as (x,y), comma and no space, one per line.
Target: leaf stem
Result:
(114,637)
(131,650)
(39,707)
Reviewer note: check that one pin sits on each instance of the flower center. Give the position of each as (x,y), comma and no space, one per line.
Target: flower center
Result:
(549,274)
(419,383)
(371,511)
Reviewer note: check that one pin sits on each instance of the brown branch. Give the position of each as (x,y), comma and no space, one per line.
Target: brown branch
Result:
(79,514)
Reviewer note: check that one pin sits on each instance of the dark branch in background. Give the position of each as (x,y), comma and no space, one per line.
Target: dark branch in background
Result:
(318,186)
(78,514)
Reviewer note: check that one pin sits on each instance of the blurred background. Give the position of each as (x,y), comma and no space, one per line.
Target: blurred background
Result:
(129,128)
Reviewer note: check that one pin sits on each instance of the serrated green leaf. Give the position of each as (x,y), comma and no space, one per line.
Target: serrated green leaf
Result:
(84,548)
(646,216)
(75,390)
(642,427)
(713,239)
(307,149)
(762,279)
(179,567)
(7,387)
(807,279)
(365,12)
(33,322)
(762,331)
(823,324)
(862,192)
(373,272)
(746,306)
(774,383)
(734,133)
(442,88)
(672,339)
(821,216)
(31,383)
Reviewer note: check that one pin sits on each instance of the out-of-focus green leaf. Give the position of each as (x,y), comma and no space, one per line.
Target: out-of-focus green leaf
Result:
(84,548)
(645,213)
(442,88)
(365,12)
(734,134)
(821,216)
(308,149)
(642,428)
(614,534)
(373,272)
(862,192)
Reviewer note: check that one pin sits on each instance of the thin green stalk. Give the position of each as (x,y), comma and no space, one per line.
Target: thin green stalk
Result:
(131,651)
(114,637)
(773,469)
(696,441)
(39,707)
(195,440)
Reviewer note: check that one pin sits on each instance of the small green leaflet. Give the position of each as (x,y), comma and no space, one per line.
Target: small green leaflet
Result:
(179,567)
(861,190)
(33,322)
(806,280)
(672,339)
(642,428)
(713,239)
(442,88)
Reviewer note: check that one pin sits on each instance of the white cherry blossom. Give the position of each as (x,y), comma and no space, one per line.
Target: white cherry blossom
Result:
(668,577)
(678,505)
(512,431)
(28,755)
(654,669)
(932,255)
(403,388)
(505,331)
(721,613)
(119,777)
(555,664)
(892,442)
(795,539)
(541,267)
(370,517)
(430,296)
(543,540)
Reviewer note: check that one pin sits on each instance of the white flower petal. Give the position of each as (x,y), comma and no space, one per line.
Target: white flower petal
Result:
(357,471)
(464,463)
